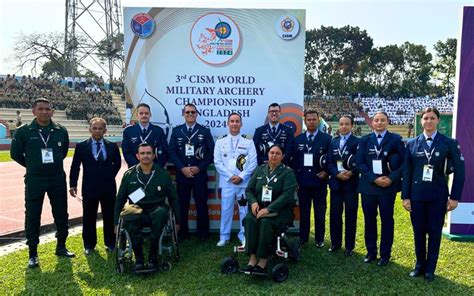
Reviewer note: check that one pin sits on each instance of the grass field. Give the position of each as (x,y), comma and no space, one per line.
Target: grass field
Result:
(319,272)
(5,155)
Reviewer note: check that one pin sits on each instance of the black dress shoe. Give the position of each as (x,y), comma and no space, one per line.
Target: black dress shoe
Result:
(348,253)
(139,266)
(383,262)
(33,262)
(429,277)
(65,253)
(369,259)
(319,244)
(88,251)
(258,270)
(248,268)
(416,272)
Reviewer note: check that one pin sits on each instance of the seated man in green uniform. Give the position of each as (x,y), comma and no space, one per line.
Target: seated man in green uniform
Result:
(270,192)
(147,187)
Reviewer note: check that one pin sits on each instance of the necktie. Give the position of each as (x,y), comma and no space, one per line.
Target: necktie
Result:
(100,156)
(310,139)
(273,130)
(429,141)
(144,131)
(190,130)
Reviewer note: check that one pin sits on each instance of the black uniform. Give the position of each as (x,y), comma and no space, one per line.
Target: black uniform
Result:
(133,136)
(200,155)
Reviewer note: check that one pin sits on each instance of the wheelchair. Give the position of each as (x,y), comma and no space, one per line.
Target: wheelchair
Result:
(285,249)
(168,248)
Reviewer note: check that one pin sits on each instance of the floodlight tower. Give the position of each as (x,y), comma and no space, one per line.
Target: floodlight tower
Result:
(93,37)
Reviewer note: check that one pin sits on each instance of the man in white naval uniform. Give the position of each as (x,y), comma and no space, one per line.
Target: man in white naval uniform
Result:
(235,159)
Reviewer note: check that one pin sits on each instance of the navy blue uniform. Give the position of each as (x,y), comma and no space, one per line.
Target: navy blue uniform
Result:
(429,199)
(203,146)
(343,193)
(264,138)
(391,152)
(134,136)
(311,187)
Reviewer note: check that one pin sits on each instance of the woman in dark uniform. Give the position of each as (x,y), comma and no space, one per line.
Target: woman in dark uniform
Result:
(429,157)
(379,160)
(343,184)
(271,195)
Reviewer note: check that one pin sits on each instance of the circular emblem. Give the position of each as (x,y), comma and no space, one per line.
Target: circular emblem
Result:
(215,38)
(287,27)
(143,25)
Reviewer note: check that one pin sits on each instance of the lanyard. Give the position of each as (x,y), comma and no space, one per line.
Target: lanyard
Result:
(270,179)
(144,140)
(377,151)
(429,155)
(270,135)
(141,182)
(234,147)
(99,149)
(344,150)
(44,141)
(189,138)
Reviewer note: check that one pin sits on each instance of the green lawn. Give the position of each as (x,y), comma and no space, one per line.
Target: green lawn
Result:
(198,272)
(5,155)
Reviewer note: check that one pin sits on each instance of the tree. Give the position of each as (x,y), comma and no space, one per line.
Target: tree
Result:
(386,69)
(112,48)
(334,55)
(445,65)
(416,70)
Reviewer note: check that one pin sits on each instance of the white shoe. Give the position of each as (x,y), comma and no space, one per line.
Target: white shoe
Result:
(222,243)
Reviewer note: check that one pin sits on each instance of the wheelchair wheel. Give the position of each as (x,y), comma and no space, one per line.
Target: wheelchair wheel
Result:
(166,266)
(123,252)
(280,272)
(229,265)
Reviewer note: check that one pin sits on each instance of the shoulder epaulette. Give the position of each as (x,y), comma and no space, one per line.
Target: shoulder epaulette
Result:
(244,136)
(222,137)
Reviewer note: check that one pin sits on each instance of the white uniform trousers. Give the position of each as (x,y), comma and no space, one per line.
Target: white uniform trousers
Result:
(228,197)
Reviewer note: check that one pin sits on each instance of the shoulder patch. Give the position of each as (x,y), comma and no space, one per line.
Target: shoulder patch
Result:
(222,137)
(244,136)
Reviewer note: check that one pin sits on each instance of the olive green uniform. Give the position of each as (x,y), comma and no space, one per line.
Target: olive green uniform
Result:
(26,149)
(158,188)
(259,232)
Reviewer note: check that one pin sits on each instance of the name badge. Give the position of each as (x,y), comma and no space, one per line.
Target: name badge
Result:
(137,195)
(340,167)
(308,159)
(377,166)
(189,149)
(266,193)
(47,155)
(427,173)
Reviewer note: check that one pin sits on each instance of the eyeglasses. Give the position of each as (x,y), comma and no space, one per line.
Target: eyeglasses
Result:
(274,111)
(190,112)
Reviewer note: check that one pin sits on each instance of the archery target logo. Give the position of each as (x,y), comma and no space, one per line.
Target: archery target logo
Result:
(291,115)
(215,39)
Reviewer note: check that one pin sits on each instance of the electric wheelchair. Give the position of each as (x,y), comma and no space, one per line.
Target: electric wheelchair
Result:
(168,248)
(285,249)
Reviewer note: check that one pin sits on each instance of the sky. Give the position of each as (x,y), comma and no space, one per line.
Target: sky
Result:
(386,21)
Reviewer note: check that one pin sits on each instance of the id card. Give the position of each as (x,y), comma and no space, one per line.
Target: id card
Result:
(308,159)
(377,166)
(340,167)
(427,173)
(266,193)
(189,149)
(137,195)
(47,155)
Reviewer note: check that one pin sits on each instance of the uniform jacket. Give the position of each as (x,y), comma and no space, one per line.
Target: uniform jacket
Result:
(203,143)
(132,137)
(348,155)
(225,157)
(27,144)
(306,175)
(159,190)
(391,147)
(283,187)
(97,173)
(443,148)
(284,137)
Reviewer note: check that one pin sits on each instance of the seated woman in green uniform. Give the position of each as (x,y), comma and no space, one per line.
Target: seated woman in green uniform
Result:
(270,193)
